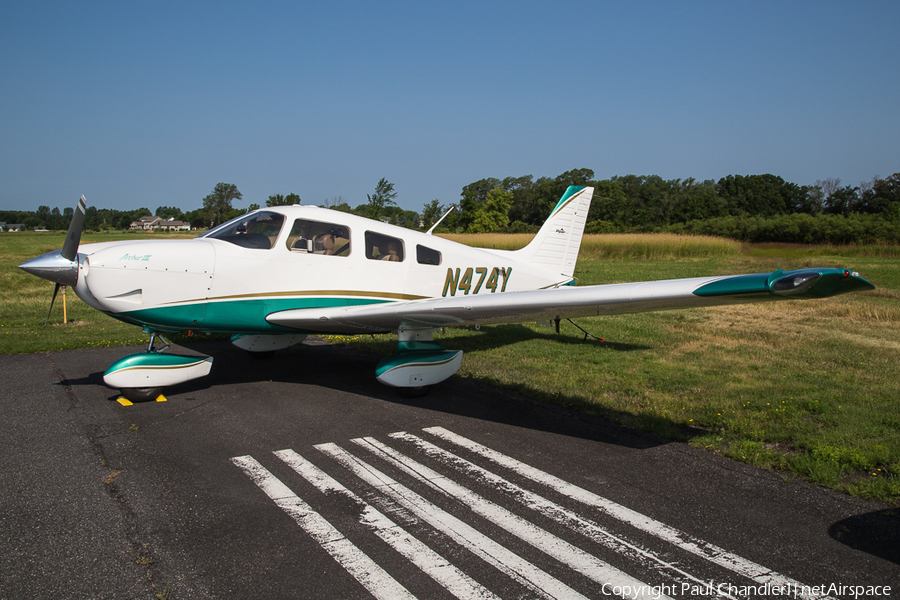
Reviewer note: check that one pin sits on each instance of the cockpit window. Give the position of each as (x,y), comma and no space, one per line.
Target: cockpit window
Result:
(383,247)
(317,237)
(257,230)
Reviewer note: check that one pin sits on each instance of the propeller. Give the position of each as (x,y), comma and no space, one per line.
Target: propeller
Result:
(60,266)
(73,235)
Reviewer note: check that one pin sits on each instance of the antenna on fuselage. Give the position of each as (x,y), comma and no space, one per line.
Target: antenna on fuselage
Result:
(452,206)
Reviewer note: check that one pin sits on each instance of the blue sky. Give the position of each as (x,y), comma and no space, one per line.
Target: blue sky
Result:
(152,103)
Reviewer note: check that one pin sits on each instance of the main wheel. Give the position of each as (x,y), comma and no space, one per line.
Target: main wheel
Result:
(141,394)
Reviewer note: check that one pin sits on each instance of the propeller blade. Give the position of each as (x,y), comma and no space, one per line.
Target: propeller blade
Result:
(73,236)
(52,300)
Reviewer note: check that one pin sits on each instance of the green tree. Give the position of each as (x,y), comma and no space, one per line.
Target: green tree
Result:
(43,215)
(610,203)
(580,177)
(431,212)
(279,200)
(525,198)
(91,218)
(842,201)
(218,203)
(383,197)
(880,195)
(338,204)
(816,197)
(57,222)
(765,195)
(493,214)
(169,212)
(403,218)
(691,201)
(199,219)
(471,199)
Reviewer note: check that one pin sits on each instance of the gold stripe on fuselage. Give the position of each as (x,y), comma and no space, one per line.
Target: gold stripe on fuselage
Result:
(328,293)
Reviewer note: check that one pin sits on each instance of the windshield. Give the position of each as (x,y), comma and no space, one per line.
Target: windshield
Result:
(257,230)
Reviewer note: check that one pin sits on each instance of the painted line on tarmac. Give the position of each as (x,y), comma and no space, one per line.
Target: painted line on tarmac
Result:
(356,562)
(500,557)
(561,515)
(430,562)
(710,552)
(386,491)
(575,558)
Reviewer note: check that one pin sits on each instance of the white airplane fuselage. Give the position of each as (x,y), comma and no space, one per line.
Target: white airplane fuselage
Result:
(215,285)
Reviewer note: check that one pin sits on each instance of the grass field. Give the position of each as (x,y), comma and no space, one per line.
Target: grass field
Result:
(808,388)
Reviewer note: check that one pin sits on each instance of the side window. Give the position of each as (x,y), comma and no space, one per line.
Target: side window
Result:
(257,230)
(427,256)
(316,237)
(383,247)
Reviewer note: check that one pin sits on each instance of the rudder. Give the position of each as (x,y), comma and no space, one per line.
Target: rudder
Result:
(557,243)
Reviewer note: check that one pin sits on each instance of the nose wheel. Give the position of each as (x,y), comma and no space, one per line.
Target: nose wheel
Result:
(141,394)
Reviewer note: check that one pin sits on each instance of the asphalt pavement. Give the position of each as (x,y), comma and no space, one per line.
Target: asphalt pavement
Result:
(302,477)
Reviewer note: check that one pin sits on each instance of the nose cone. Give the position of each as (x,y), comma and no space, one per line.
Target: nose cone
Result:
(53,267)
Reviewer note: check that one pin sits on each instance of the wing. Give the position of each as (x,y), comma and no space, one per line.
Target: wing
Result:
(593,300)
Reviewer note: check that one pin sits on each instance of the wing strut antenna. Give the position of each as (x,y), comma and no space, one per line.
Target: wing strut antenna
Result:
(586,334)
(452,206)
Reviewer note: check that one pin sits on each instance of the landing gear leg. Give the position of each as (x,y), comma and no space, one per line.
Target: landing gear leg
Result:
(153,336)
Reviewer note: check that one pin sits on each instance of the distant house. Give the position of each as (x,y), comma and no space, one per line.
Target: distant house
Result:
(169,224)
(12,227)
(145,223)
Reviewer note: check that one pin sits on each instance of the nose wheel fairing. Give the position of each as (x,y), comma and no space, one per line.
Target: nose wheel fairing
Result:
(142,376)
(154,370)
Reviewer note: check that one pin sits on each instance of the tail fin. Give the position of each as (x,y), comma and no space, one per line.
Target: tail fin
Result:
(556,244)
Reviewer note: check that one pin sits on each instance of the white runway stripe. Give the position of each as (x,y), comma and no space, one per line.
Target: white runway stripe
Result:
(394,543)
(561,515)
(561,550)
(358,564)
(455,581)
(542,584)
(710,552)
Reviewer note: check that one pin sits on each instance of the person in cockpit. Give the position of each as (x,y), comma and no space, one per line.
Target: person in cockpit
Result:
(393,252)
(324,244)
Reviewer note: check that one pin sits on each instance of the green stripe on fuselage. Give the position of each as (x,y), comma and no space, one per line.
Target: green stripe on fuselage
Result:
(234,316)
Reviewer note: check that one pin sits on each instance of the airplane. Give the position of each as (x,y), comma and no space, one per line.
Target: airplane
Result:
(275,275)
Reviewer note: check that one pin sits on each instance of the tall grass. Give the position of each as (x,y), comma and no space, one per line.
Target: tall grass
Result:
(802,250)
(496,241)
(615,245)
(655,245)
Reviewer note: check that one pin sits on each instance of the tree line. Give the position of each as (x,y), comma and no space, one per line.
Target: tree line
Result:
(753,208)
